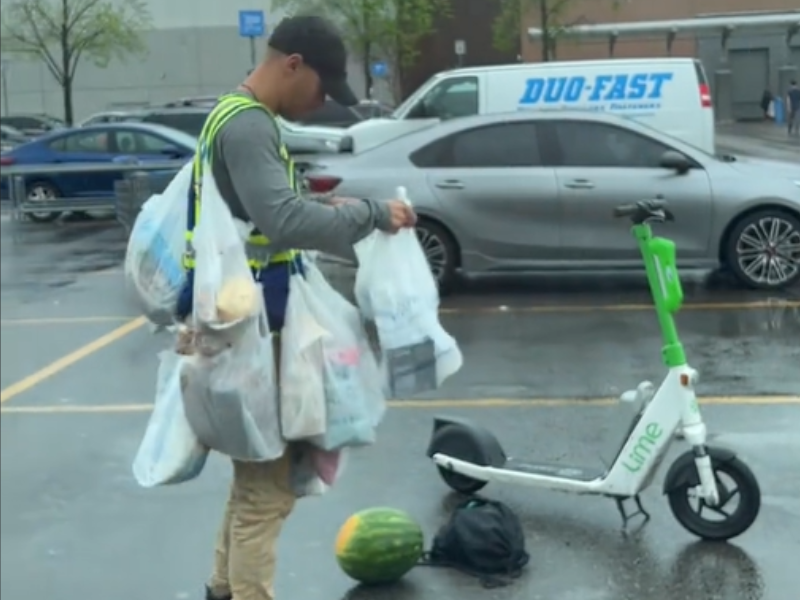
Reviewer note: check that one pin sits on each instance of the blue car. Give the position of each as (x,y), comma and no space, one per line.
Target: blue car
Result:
(104,143)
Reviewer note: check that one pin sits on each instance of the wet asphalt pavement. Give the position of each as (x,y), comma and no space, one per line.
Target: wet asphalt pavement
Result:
(542,357)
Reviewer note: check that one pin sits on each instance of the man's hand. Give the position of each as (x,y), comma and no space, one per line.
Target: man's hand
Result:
(402,215)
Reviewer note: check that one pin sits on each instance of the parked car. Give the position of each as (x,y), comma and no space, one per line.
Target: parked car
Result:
(104,143)
(333,114)
(109,116)
(188,119)
(534,191)
(298,139)
(10,137)
(32,124)
(310,139)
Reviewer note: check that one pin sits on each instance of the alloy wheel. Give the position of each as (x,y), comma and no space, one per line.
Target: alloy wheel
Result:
(435,251)
(768,251)
(41,194)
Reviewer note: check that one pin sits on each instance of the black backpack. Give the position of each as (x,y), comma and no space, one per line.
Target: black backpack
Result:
(483,538)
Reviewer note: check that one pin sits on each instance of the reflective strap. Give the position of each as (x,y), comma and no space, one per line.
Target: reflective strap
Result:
(281,257)
(227,107)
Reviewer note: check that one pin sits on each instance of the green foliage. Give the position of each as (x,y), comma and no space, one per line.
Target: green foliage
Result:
(385,29)
(62,33)
(507,27)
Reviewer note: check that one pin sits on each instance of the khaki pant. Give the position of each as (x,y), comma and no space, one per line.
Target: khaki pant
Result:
(260,500)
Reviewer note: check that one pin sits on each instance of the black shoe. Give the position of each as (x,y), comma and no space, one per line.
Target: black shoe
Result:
(210,596)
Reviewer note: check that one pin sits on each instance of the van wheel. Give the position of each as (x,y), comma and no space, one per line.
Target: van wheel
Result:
(441,251)
(763,250)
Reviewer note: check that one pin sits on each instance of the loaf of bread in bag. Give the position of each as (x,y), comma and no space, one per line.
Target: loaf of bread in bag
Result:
(238,299)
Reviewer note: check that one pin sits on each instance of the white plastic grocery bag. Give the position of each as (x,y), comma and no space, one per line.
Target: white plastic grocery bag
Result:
(230,396)
(395,288)
(225,293)
(154,258)
(354,398)
(302,383)
(170,451)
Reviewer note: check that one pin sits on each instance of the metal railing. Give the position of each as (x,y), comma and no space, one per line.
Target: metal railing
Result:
(20,176)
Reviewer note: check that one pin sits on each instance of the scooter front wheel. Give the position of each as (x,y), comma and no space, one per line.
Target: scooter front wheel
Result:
(739,498)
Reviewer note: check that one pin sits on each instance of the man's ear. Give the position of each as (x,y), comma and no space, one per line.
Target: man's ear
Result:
(294,62)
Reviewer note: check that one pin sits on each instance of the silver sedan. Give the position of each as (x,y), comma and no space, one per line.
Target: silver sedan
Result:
(535,192)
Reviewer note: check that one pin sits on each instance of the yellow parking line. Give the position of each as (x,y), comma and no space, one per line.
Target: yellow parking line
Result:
(64,320)
(67,360)
(429,404)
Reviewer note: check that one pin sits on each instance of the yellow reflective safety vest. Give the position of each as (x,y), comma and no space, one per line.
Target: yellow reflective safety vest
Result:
(227,107)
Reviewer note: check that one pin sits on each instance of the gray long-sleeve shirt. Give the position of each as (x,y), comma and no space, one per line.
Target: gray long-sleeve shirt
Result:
(253,180)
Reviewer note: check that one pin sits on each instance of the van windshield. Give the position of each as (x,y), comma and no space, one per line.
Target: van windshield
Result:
(414,98)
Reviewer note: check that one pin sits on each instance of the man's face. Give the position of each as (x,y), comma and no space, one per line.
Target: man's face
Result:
(303,92)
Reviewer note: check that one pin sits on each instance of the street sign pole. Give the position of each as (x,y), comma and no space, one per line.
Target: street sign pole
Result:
(252,25)
(460,50)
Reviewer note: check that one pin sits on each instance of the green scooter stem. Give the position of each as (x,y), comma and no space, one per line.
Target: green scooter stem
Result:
(665,288)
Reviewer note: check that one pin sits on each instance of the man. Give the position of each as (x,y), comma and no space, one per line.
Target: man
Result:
(793,108)
(306,61)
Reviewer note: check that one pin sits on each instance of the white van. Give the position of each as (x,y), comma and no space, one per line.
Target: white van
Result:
(669,94)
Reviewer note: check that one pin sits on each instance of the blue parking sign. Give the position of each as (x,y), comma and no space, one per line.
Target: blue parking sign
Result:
(379,69)
(252,23)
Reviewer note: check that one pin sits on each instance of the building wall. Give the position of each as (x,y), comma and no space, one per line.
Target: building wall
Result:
(603,11)
(194,49)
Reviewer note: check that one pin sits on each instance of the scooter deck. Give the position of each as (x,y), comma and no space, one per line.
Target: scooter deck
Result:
(555,470)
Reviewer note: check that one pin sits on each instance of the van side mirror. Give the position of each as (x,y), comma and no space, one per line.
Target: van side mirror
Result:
(675,161)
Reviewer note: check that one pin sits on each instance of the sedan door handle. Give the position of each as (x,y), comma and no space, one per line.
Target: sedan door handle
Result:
(450,184)
(580,184)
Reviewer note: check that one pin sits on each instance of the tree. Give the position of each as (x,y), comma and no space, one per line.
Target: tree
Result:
(62,33)
(507,27)
(387,30)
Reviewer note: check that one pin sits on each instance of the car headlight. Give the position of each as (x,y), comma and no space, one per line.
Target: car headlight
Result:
(331,145)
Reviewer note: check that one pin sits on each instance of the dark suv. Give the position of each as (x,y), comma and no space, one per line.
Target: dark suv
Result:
(189,119)
(332,114)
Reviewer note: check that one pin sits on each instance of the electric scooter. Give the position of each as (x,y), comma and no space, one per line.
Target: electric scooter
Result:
(701,483)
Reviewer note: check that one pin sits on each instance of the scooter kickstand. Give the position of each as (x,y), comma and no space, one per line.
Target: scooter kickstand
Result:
(626,517)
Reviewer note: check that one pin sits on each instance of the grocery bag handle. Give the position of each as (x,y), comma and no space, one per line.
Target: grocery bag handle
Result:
(402,194)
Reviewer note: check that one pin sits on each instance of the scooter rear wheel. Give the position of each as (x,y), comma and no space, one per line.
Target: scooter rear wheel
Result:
(454,441)
(460,483)
(736,484)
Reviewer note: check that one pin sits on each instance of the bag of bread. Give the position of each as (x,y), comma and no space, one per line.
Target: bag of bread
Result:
(154,257)
(354,399)
(169,452)
(225,293)
(230,397)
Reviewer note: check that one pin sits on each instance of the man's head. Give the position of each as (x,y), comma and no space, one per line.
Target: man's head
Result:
(793,83)
(306,62)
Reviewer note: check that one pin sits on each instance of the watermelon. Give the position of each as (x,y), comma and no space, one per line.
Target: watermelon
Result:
(379,545)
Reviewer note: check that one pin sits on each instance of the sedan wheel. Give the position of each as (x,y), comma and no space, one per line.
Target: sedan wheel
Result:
(764,250)
(440,251)
(41,193)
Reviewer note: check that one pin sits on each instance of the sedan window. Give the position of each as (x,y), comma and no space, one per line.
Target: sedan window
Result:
(505,145)
(93,141)
(588,144)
